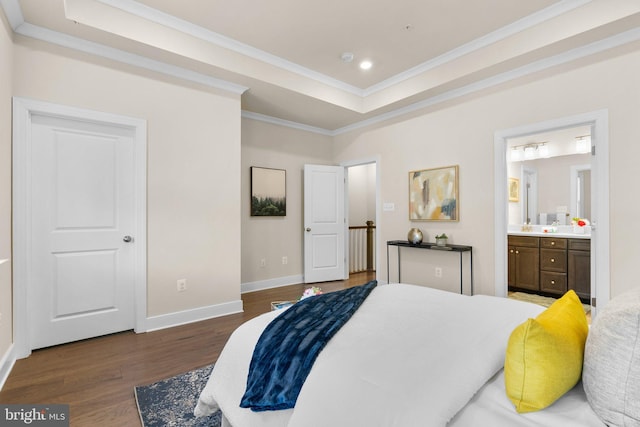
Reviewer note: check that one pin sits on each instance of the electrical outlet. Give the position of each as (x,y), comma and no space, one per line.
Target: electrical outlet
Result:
(285,260)
(182,285)
(438,271)
(263,262)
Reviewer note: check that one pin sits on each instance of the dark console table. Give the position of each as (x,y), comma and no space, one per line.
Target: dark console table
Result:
(460,249)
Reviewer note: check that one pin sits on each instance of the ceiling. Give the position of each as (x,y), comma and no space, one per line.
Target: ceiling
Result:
(284,56)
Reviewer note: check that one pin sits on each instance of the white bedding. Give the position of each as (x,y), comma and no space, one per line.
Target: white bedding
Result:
(491,407)
(410,356)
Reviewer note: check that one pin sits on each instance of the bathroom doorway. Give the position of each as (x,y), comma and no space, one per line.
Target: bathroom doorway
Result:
(598,124)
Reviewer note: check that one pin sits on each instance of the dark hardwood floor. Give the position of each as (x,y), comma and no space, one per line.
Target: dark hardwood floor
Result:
(96,377)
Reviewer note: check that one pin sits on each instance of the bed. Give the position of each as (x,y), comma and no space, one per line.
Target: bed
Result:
(409,356)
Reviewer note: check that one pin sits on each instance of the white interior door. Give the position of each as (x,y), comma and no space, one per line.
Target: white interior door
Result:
(82,221)
(324,223)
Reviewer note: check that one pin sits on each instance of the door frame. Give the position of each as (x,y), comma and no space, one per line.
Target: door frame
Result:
(23,110)
(600,241)
(359,162)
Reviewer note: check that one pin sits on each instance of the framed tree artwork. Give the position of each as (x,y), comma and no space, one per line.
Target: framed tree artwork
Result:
(268,192)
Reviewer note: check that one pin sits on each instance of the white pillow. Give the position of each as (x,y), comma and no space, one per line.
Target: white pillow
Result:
(611,371)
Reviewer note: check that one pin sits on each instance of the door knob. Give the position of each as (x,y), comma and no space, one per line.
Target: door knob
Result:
(308,229)
(127,239)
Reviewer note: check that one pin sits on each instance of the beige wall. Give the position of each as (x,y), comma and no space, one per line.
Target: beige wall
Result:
(193,160)
(6,75)
(463,133)
(271,238)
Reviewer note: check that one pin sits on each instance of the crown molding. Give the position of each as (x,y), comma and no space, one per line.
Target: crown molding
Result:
(148,13)
(13,12)
(14,15)
(118,55)
(509,30)
(170,21)
(534,67)
(286,123)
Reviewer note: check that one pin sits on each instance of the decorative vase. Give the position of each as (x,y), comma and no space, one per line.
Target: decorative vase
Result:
(415,236)
(442,241)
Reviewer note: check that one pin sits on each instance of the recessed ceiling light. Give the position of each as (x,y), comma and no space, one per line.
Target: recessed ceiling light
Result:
(366,64)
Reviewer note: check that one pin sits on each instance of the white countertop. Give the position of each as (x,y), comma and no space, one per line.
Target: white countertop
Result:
(561,231)
(547,234)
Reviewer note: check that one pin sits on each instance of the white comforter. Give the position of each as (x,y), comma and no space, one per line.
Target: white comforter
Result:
(410,356)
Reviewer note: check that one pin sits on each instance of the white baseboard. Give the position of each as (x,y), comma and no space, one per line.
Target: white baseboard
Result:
(170,320)
(203,313)
(271,283)
(6,365)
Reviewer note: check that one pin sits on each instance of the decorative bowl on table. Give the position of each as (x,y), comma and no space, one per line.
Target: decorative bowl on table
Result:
(415,236)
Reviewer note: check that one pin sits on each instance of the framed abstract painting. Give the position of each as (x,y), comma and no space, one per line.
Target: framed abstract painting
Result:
(433,194)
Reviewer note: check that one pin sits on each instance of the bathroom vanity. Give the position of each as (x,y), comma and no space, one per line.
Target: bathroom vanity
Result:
(550,263)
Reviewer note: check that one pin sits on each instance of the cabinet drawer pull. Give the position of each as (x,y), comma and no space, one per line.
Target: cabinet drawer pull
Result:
(511,251)
(553,243)
(517,252)
(553,260)
(553,282)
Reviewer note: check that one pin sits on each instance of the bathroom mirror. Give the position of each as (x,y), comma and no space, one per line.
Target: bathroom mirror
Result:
(554,179)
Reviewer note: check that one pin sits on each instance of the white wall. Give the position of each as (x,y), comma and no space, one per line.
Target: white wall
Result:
(6,76)
(271,238)
(193,165)
(435,137)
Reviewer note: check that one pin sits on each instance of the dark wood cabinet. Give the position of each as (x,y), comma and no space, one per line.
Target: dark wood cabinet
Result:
(553,243)
(550,265)
(553,283)
(553,260)
(579,267)
(524,262)
(553,265)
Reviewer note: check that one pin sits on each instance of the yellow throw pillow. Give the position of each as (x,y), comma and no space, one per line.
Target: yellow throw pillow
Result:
(545,355)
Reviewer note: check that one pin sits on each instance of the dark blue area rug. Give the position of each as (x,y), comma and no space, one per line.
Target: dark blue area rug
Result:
(171,402)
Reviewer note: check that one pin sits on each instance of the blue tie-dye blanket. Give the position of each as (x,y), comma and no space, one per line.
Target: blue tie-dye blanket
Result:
(290,344)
